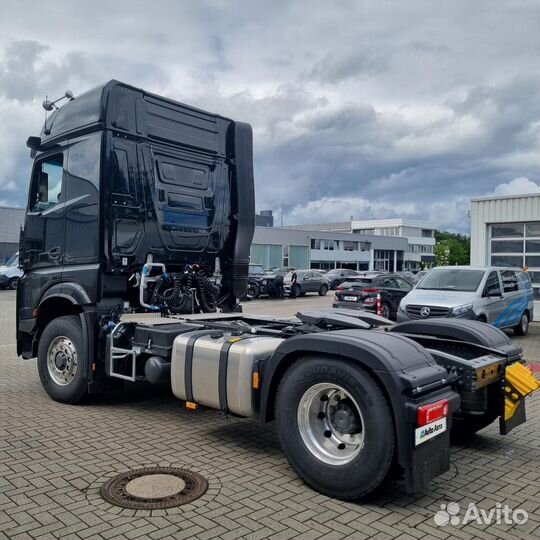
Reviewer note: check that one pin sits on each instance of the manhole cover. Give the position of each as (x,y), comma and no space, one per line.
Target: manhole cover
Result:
(154,488)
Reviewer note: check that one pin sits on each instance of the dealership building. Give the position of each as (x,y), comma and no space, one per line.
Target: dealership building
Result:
(11,221)
(505,231)
(392,245)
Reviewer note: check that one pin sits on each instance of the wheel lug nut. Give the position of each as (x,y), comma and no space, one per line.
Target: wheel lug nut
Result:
(328,433)
(324,398)
(321,415)
(341,446)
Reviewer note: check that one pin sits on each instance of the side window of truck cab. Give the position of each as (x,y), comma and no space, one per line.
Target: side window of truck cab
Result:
(46,188)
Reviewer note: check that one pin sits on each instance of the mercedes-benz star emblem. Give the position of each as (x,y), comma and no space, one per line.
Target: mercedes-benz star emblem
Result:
(425,311)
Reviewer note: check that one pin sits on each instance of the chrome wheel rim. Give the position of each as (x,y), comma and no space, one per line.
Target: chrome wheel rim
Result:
(62,360)
(385,312)
(330,423)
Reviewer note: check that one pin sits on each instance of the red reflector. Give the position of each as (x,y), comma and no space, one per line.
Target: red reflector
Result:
(433,411)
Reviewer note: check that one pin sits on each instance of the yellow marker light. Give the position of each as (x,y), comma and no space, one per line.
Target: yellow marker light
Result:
(191,405)
(256,380)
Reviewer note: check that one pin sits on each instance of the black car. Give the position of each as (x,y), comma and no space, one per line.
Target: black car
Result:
(338,275)
(263,283)
(361,293)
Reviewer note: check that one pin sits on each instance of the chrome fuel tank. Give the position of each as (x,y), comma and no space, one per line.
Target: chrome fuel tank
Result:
(216,369)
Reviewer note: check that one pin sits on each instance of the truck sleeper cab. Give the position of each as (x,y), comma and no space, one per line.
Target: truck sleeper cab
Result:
(135,202)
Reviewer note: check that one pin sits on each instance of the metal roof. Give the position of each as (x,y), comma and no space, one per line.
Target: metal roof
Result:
(11,221)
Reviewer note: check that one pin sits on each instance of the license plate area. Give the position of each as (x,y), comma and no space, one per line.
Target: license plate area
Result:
(350,298)
(429,431)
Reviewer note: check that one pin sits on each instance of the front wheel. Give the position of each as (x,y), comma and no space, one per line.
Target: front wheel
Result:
(522,328)
(12,283)
(323,290)
(253,291)
(335,427)
(62,360)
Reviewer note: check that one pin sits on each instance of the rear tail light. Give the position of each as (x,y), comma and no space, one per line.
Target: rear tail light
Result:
(340,289)
(370,290)
(434,411)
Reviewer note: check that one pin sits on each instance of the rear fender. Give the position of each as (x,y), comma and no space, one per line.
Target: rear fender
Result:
(405,371)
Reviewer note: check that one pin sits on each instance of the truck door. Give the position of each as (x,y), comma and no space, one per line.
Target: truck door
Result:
(43,239)
(81,211)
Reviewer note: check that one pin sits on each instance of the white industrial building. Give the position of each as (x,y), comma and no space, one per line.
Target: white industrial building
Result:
(420,236)
(505,231)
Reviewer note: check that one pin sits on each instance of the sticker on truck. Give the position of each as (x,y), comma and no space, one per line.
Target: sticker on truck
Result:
(427,432)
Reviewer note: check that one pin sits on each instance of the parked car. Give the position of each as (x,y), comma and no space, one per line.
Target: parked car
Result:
(307,281)
(338,275)
(361,293)
(500,296)
(260,282)
(10,273)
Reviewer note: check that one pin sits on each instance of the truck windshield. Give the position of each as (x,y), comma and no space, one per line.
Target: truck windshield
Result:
(450,279)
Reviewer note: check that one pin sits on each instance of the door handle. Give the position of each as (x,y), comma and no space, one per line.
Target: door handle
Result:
(55,253)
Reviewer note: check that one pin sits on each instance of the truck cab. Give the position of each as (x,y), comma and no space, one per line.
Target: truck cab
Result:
(120,175)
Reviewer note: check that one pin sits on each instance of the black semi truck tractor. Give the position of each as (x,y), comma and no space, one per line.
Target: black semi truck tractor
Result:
(136,203)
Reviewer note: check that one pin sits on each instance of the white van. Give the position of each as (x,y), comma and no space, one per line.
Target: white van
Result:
(10,273)
(499,296)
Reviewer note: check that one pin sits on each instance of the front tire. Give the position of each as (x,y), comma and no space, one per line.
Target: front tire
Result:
(522,328)
(12,283)
(323,291)
(335,427)
(62,360)
(253,291)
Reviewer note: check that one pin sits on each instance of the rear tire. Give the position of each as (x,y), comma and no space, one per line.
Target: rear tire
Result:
(62,360)
(312,434)
(522,328)
(323,291)
(464,427)
(385,310)
(334,285)
(12,283)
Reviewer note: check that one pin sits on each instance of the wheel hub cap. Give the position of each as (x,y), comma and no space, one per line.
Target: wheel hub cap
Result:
(330,423)
(62,360)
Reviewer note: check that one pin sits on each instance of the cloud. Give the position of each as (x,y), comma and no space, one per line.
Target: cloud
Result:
(517,186)
(408,108)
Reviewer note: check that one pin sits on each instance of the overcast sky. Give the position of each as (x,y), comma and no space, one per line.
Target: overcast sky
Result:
(391,109)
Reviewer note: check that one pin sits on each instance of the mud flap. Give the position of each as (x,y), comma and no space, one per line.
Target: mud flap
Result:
(519,382)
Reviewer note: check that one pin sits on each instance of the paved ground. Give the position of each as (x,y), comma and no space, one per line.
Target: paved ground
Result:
(53,458)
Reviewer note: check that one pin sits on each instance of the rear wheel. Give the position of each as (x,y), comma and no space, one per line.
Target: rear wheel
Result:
(323,290)
(12,283)
(335,284)
(385,310)
(465,426)
(62,360)
(523,327)
(335,427)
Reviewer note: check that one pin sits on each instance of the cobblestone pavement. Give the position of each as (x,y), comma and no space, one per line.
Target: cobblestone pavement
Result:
(53,458)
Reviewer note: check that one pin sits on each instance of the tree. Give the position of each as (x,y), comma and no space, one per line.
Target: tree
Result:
(452,248)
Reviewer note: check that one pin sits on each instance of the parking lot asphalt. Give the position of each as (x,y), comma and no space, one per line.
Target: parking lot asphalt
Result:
(54,458)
